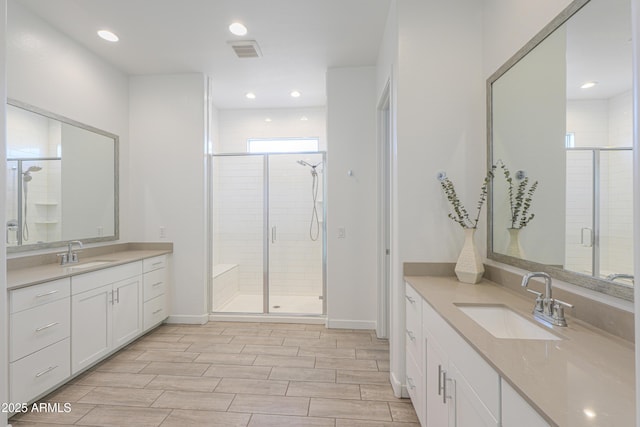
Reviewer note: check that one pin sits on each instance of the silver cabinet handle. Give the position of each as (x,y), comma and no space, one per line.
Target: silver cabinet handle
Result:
(42,328)
(410,299)
(157,311)
(112,297)
(156,284)
(410,382)
(439,380)
(47,293)
(118,296)
(46,371)
(273,234)
(412,337)
(444,387)
(156,263)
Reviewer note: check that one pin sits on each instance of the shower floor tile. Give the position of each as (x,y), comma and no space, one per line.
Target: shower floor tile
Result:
(294,304)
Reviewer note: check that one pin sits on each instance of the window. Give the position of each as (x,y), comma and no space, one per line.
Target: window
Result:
(282,145)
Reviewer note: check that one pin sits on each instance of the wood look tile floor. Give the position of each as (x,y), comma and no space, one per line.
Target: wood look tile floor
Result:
(236,374)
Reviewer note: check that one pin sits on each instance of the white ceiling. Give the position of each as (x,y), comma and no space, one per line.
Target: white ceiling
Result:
(299,40)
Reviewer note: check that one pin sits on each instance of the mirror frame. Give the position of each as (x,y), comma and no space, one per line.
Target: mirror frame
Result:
(116,172)
(600,285)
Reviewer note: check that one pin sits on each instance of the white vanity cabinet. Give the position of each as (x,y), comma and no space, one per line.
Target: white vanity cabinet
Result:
(414,350)
(155,289)
(39,325)
(462,390)
(516,412)
(107,312)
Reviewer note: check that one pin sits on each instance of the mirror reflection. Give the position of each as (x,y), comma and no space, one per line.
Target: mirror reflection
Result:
(61,180)
(562,115)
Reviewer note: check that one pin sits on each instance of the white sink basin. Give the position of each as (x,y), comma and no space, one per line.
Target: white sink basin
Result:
(502,322)
(87,265)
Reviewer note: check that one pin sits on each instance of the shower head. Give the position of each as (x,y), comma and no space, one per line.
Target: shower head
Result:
(303,163)
(33,169)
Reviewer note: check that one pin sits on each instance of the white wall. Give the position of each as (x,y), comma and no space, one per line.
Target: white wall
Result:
(167,159)
(352,200)
(4,327)
(236,126)
(635,19)
(47,69)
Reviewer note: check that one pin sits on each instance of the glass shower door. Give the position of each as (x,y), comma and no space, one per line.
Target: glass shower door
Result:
(295,233)
(238,234)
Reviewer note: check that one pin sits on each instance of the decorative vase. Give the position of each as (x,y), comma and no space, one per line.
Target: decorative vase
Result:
(514,249)
(469,268)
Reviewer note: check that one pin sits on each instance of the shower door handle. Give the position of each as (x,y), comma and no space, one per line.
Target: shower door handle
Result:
(586,237)
(273,234)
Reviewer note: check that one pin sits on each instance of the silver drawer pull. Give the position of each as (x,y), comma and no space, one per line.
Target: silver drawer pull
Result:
(411,383)
(412,337)
(157,263)
(46,371)
(410,299)
(156,284)
(157,311)
(42,328)
(47,293)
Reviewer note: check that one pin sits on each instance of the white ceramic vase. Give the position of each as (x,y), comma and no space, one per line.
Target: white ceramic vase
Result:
(514,249)
(469,268)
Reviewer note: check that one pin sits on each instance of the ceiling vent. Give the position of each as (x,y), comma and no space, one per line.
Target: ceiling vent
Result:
(246,48)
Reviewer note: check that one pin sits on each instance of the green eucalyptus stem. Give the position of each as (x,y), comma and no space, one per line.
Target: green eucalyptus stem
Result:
(460,214)
(520,198)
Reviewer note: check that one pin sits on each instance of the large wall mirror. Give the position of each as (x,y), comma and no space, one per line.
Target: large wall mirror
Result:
(560,114)
(62,180)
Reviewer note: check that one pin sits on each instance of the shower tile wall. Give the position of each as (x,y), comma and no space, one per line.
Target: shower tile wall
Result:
(295,260)
(28,136)
(600,123)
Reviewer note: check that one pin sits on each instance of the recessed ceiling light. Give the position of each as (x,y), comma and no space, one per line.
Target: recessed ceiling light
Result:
(238,29)
(304,118)
(268,120)
(108,36)
(250,95)
(589,413)
(295,94)
(588,85)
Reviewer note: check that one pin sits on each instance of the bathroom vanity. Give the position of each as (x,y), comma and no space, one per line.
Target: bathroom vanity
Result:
(64,319)
(460,374)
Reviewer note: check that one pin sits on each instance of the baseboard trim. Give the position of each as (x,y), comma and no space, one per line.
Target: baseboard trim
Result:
(351,324)
(188,319)
(267,318)
(399,389)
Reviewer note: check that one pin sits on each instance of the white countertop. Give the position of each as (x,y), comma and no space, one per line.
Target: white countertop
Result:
(587,370)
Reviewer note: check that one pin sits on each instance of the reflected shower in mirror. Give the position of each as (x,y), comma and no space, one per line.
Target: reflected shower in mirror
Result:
(61,180)
(561,113)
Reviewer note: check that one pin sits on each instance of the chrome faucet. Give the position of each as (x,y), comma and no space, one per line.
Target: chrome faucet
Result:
(70,257)
(615,276)
(547,309)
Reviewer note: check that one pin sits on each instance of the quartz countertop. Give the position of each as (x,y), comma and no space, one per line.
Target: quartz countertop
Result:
(22,277)
(586,372)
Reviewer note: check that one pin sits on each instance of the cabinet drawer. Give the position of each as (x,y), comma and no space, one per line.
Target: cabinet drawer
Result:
(155,311)
(155,283)
(86,282)
(416,387)
(154,263)
(39,327)
(33,375)
(33,296)
(413,322)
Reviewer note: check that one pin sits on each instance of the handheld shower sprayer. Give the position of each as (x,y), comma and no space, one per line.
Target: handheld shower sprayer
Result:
(26,177)
(314,227)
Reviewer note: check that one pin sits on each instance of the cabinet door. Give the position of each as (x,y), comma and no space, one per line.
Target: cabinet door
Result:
(90,326)
(437,412)
(466,409)
(127,310)
(516,412)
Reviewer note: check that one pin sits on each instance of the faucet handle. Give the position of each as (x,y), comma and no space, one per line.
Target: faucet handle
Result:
(558,311)
(539,299)
(64,258)
(562,304)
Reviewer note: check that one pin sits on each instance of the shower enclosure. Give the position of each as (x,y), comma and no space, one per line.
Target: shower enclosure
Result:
(33,200)
(599,212)
(268,233)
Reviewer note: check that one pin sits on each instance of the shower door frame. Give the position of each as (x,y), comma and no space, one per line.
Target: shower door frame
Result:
(595,200)
(267,230)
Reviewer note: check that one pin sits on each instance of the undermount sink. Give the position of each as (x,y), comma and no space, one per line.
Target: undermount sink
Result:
(502,322)
(87,265)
